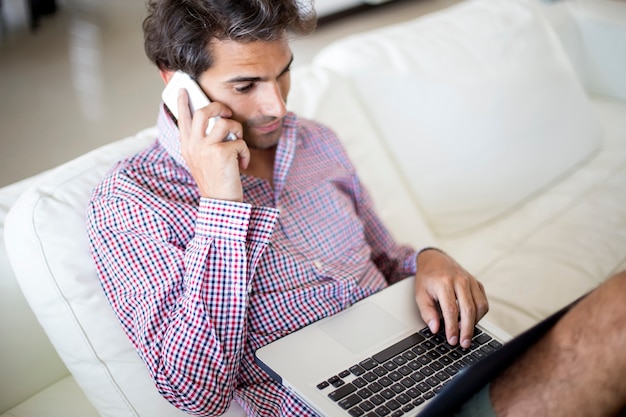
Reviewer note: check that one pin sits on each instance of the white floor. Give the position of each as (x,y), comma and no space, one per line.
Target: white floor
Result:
(82,79)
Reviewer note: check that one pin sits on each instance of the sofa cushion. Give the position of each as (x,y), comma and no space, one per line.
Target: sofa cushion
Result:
(48,247)
(560,244)
(477,104)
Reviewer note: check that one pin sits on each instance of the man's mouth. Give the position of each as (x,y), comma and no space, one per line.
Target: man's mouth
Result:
(269,127)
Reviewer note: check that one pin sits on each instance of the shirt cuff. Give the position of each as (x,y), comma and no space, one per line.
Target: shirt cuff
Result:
(410,263)
(262,221)
(221,219)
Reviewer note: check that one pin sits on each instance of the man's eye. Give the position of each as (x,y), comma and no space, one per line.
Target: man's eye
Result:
(245,88)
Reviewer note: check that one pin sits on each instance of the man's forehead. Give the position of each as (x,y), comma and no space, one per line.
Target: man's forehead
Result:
(238,50)
(257,56)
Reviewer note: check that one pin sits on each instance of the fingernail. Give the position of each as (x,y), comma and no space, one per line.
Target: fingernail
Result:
(466,343)
(431,326)
(453,340)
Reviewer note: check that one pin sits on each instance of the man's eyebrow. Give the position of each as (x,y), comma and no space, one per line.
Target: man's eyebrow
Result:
(287,67)
(256,79)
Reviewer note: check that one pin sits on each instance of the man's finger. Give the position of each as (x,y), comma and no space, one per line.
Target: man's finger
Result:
(480,300)
(428,310)
(467,307)
(226,130)
(184,114)
(216,116)
(450,311)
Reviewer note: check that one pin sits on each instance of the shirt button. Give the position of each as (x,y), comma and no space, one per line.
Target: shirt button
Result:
(318,264)
(279,207)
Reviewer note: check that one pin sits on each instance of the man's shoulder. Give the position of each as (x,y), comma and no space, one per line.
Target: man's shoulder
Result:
(315,133)
(140,171)
(318,134)
(313,125)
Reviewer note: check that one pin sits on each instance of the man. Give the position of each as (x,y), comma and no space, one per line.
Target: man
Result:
(208,249)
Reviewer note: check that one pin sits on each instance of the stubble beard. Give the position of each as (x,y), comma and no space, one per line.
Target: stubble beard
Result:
(261,141)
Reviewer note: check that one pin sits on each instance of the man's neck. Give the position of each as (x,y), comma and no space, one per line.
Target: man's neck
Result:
(261,164)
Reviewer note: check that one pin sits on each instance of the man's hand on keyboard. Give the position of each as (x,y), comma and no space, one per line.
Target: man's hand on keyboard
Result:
(442,284)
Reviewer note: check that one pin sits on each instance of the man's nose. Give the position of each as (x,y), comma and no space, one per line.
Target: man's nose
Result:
(273,103)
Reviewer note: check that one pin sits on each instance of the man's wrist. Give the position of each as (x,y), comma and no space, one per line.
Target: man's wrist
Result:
(426,249)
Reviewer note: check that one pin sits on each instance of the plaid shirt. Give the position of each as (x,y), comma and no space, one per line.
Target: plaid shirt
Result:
(200,284)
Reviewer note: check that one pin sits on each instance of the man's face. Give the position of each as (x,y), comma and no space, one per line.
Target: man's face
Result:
(253,80)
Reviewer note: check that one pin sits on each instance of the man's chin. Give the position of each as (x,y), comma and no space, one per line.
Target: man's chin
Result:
(263,141)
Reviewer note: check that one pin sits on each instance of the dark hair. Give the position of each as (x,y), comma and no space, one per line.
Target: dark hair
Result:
(177,33)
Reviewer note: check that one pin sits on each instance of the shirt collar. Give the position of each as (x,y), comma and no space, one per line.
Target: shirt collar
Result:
(169,135)
(169,138)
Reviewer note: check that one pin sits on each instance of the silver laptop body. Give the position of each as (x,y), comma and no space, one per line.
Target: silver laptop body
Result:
(309,361)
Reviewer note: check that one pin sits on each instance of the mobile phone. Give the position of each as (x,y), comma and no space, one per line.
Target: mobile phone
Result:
(197,98)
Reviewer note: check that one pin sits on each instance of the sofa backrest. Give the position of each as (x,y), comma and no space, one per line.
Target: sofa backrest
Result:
(593,34)
(477,105)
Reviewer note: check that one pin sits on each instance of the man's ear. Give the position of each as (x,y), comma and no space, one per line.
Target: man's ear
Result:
(166,75)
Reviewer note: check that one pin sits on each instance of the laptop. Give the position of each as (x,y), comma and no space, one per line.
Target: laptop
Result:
(379,358)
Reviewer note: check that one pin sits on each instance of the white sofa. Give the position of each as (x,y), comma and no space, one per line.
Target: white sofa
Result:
(495,129)
(325,8)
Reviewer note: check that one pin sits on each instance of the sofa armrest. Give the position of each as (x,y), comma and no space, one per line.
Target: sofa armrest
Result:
(61,399)
(29,363)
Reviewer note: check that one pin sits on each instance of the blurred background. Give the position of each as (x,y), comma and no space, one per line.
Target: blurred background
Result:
(73,74)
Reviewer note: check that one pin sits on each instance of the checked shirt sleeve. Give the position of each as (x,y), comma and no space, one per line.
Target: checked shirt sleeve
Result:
(395,261)
(182,302)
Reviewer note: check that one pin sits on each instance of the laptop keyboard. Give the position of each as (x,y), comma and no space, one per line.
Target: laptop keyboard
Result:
(403,376)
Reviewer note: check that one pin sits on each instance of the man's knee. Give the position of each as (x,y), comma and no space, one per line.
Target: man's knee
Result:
(608,303)
(614,289)
(620,279)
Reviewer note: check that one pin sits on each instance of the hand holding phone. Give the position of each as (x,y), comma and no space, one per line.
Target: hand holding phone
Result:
(217,174)
(197,98)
